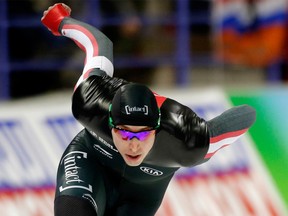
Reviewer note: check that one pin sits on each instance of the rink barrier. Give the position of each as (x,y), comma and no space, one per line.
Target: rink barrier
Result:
(34,134)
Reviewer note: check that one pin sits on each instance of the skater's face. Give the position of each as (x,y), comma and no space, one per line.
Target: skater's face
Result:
(133,142)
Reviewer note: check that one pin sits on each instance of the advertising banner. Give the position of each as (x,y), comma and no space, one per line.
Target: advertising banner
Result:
(233,182)
(270,131)
(35,132)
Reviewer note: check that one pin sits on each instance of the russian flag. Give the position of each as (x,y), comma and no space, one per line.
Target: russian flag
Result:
(250,32)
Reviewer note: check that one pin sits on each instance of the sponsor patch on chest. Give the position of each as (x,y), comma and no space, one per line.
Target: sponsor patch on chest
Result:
(151,171)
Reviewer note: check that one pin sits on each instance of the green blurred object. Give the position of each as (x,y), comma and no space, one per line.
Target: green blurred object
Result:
(270,130)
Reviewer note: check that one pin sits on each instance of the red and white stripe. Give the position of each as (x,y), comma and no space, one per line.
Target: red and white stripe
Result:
(223,140)
(88,43)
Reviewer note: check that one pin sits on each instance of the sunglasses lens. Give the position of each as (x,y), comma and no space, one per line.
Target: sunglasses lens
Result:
(127,135)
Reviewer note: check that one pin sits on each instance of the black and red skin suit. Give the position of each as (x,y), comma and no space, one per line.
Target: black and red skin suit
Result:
(93,178)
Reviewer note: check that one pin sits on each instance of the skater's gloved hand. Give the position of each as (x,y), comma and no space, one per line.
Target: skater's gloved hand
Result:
(53,16)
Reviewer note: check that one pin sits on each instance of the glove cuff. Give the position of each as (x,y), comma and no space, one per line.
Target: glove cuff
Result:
(54,17)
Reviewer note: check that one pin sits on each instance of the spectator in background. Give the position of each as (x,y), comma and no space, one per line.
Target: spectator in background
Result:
(125,24)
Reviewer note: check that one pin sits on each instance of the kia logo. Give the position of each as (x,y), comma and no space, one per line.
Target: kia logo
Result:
(151,171)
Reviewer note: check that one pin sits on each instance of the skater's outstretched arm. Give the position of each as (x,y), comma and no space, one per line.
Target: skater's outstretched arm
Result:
(97,47)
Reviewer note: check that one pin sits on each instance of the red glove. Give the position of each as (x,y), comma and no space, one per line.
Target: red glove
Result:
(54,15)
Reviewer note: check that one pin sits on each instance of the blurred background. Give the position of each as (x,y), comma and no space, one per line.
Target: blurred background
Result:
(207,54)
(169,43)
